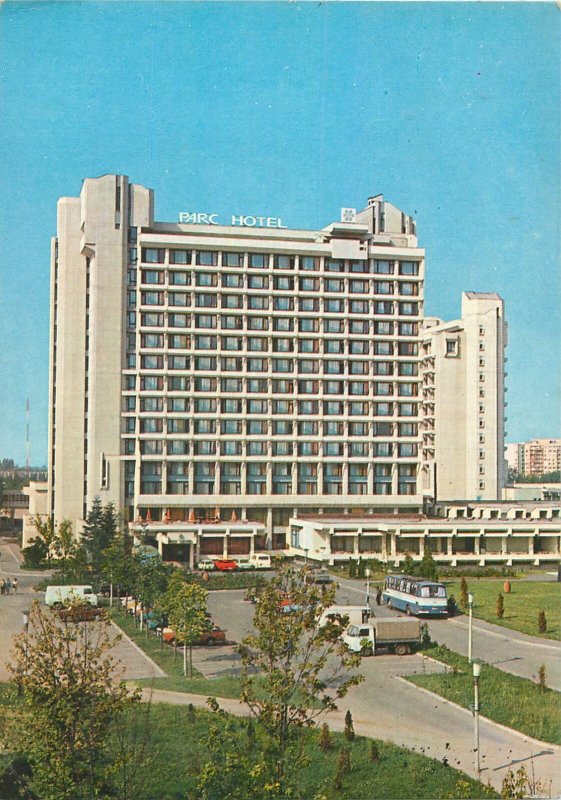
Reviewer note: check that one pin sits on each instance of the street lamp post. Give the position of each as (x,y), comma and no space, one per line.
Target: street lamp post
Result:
(470,626)
(25,615)
(476,674)
(367,574)
(306,549)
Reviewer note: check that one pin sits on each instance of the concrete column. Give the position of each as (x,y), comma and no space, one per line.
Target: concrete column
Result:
(449,548)
(269,529)
(477,546)
(504,545)
(225,545)
(393,544)
(421,545)
(355,542)
(531,545)
(252,544)
(192,556)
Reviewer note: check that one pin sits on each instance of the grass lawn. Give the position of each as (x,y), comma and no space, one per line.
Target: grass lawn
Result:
(177,749)
(173,665)
(522,605)
(515,702)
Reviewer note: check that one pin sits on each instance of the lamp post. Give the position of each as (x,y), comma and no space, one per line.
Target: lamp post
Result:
(306,549)
(476,674)
(470,626)
(25,615)
(367,574)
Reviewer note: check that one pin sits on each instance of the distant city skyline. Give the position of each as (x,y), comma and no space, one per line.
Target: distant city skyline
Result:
(292,111)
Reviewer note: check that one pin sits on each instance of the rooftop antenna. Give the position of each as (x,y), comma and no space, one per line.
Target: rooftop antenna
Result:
(27,436)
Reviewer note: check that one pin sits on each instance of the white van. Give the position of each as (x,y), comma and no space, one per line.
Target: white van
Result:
(261,560)
(357,615)
(62,595)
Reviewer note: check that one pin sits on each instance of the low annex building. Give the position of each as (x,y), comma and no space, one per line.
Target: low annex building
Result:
(504,533)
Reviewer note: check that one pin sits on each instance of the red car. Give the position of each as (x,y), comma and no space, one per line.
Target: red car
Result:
(225,565)
(213,636)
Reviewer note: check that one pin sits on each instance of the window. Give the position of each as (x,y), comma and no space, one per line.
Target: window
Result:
(282,427)
(151,362)
(407,349)
(230,427)
(332,428)
(333,306)
(333,325)
(178,362)
(257,427)
(309,262)
(408,309)
(283,283)
(151,425)
(283,262)
(408,288)
(182,299)
(231,385)
(407,389)
(206,279)
(282,448)
(152,340)
(308,284)
(283,303)
(258,260)
(232,259)
(407,429)
(408,328)
(308,407)
(383,389)
(358,388)
(332,449)
(334,265)
(407,409)
(176,404)
(333,387)
(308,346)
(407,368)
(382,348)
(177,384)
(383,287)
(232,281)
(358,326)
(308,428)
(358,266)
(203,426)
(152,298)
(407,450)
(257,385)
(179,320)
(358,428)
(151,255)
(333,285)
(383,368)
(149,447)
(205,342)
(256,448)
(358,368)
(152,276)
(358,347)
(229,364)
(179,256)
(382,429)
(383,449)
(282,386)
(180,278)
(383,328)
(383,307)
(205,384)
(231,343)
(231,301)
(282,407)
(257,302)
(308,366)
(257,282)
(333,346)
(408,267)
(383,409)
(153,320)
(358,408)
(205,405)
(283,365)
(205,320)
(308,304)
(205,363)
(452,348)
(206,258)
(231,322)
(283,345)
(257,364)
(332,407)
(307,325)
(383,267)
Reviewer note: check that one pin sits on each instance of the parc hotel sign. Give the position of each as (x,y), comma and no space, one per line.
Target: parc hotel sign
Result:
(241,220)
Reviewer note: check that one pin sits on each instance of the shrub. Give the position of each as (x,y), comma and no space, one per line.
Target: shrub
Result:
(500,606)
(374,751)
(352,568)
(542,622)
(542,678)
(464,593)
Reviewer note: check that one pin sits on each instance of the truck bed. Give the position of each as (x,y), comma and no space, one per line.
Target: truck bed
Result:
(394,630)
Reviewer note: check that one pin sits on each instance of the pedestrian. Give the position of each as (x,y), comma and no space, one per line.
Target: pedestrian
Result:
(8,586)
(2,586)
(378,596)
(15,585)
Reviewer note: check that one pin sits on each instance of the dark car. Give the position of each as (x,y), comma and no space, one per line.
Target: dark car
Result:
(320,576)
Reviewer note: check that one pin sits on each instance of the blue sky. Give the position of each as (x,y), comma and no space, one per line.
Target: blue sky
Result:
(451,110)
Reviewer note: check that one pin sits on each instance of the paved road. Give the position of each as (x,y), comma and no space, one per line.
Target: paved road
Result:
(508,650)
(136,664)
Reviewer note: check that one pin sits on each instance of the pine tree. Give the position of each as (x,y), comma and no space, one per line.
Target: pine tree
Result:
(464,593)
(500,606)
(349,729)
(542,622)
(352,568)
(542,678)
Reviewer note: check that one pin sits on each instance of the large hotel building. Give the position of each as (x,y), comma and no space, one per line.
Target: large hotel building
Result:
(203,372)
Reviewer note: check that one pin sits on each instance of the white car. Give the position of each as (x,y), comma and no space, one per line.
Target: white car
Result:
(206,564)
(243,562)
(57,596)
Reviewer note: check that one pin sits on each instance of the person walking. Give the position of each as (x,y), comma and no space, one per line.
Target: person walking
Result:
(15,585)
(378,596)
(2,586)
(8,587)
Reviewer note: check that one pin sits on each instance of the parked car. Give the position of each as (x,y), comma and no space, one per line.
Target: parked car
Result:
(243,562)
(225,565)
(81,612)
(205,564)
(213,636)
(261,560)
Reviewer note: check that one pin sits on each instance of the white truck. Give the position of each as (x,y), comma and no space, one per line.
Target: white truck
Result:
(356,615)
(260,560)
(399,636)
(58,596)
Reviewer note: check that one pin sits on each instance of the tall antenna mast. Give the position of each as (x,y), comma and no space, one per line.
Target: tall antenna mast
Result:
(27,436)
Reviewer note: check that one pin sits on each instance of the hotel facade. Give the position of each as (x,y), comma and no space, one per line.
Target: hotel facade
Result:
(204,374)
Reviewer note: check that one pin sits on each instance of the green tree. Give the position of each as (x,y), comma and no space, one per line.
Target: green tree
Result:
(427,567)
(65,541)
(293,670)
(464,600)
(47,534)
(71,701)
(117,565)
(186,607)
(408,565)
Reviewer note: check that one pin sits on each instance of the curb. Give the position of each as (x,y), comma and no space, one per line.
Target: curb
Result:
(159,670)
(525,737)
